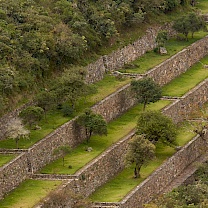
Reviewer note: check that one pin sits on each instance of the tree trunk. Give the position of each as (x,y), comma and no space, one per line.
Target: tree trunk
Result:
(135,173)
(144,106)
(63,161)
(16,141)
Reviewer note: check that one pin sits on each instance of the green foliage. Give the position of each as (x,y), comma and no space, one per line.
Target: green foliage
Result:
(32,115)
(146,91)
(189,23)
(62,151)
(162,38)
(170,5)
(67,110)
(140,151)
(16,131)
(156,127)
(93,123)
(46,100)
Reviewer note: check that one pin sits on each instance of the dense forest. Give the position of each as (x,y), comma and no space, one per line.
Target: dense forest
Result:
(40,38)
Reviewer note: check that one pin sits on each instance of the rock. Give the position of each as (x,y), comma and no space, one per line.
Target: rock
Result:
(37,127)
(163,50)
(178,148)
(89,149)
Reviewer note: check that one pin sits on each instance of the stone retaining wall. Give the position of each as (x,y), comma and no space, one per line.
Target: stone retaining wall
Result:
(179,63)
(156,182)
(117,59)
(108,164)
(194,99)
(111,107)
(104,167)
(13,173)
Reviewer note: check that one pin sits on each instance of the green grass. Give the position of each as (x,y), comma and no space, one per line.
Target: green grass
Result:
(28,194)
(151,59)
(116,130)
(203,6)
(188,80)
(117,188)
(5,159)
(54,119)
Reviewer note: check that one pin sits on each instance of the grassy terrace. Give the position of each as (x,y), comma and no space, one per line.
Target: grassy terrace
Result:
(5,159)
(173,46)
(203,6)
(188,80)
(105,87)
(116,130)
(28,193)
(116,189)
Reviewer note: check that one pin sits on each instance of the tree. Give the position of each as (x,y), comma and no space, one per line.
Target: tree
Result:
(140,151)
(146,91)
(196,23)
(181,25)
(46,100)
(62,151)
(189,23)
(32,115)
(93,123)
(16,131)
(162,38)
(156,127)
(71,86)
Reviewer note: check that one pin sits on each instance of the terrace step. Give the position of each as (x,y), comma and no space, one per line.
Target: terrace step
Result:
(52,177)
(12,151)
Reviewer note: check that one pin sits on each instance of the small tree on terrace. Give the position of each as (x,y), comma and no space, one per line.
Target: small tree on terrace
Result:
(140,151)
(16,131)
(62,151)
(146,91)
(162,38)
(32,115)
(93,123)
(196,23)
(157,127)
(182,25)
(189,23)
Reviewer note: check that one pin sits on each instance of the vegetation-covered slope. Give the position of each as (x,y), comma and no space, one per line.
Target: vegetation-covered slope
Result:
(40,38)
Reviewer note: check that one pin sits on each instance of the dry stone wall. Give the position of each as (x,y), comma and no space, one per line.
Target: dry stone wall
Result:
(13,173)
(104,167)
(117,59)
(155,184)
(70,133)
(179,63)
(194,99)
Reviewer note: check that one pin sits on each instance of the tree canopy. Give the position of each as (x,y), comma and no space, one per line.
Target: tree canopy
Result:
(157,127)
(140,152)
(189,23)
(93,124)
(146,91)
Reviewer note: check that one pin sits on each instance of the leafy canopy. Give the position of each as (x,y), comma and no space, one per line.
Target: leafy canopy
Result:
(93,124)
(156,127)
(140,152)
(146,91)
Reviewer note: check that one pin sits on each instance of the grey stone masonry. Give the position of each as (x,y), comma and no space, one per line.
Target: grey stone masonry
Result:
(111,107)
